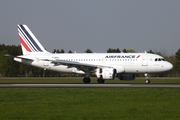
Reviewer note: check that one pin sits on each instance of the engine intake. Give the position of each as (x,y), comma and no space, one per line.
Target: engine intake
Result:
(106,73)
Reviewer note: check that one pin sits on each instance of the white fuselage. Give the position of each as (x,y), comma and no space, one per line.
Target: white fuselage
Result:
(104,65)
(123,62)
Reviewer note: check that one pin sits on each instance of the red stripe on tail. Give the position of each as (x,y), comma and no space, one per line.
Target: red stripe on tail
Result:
(25,45)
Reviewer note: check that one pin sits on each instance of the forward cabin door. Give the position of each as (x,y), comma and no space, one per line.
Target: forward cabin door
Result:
(145,60)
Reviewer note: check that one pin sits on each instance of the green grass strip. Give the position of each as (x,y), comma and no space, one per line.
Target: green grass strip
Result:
(89,103)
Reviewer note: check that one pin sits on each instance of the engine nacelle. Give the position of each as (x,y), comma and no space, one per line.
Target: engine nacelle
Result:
(106,73)
(126,76)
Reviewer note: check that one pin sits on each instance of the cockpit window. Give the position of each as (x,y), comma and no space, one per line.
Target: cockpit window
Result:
(160,59)
(163,59)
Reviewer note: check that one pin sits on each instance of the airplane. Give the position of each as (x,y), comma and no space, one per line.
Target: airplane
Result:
(106,66)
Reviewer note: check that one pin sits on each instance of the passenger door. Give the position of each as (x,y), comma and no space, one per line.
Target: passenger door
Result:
(145,60)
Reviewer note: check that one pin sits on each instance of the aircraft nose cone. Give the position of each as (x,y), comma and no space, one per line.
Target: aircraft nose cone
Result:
(169,66)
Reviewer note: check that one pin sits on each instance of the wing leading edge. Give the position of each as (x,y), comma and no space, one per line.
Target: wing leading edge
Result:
(80,66)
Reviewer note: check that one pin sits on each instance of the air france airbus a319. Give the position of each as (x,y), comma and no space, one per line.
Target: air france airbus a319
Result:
(106,66)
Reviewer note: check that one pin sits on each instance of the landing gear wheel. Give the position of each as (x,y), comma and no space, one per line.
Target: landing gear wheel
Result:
(100,81)
(147,81)
(86,80)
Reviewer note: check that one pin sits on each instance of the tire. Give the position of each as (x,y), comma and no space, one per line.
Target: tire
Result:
(147,81)
(86,80)
(100,81)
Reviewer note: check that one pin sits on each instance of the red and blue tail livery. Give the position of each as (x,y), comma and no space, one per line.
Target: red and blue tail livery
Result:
(29,42)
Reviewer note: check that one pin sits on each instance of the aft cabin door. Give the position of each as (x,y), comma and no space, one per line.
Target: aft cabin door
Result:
(45,62)
(145,60)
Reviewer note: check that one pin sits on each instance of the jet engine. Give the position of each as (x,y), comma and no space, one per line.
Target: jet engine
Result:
(126,76)
(106,73)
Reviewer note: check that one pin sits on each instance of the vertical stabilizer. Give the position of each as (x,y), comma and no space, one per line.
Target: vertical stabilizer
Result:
(29,43)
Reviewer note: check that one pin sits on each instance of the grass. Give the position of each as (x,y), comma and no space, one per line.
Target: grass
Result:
(89,103)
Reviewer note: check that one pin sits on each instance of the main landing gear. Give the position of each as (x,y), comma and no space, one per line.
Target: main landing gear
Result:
(86,80)
(100,80)
(147,81)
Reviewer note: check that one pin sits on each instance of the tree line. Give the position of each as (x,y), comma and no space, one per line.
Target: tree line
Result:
(10,68)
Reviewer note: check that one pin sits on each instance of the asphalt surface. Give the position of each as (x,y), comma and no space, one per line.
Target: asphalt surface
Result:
(89,85)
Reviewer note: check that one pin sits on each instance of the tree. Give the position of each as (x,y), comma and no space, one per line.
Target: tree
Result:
(4,63)
(150,51)
(111,50)
(177,65)
(172,60)
(23,70)
(30,74)
(62,51)
(58,51)
(88,51)
(124,51)
(70,51)
(130,51)
(54,51)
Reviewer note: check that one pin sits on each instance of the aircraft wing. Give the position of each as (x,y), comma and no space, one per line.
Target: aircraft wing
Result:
(81,66)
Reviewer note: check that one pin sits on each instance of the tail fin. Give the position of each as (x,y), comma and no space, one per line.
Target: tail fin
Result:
(29,43)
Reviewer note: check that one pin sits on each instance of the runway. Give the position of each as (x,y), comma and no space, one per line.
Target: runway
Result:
(89,85)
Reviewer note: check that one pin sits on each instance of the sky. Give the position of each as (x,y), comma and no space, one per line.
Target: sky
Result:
(77,25)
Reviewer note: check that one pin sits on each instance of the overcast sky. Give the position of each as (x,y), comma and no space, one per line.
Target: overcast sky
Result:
(95,24)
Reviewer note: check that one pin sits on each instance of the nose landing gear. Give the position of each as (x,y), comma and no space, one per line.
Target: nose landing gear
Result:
(147,81)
